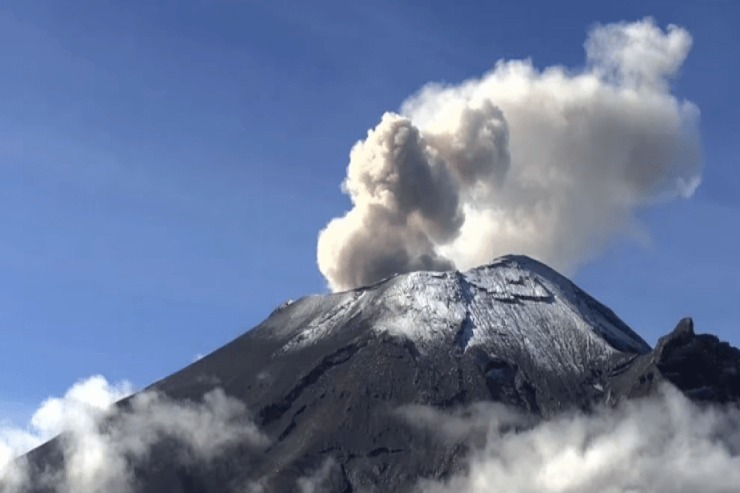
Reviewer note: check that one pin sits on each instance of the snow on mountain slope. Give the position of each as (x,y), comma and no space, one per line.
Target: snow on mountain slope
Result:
(325,377)
(515,309)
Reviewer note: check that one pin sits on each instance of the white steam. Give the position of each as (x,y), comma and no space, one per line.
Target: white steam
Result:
(101,443)
(321,480)
(85,401)
(551,163)
(664,444)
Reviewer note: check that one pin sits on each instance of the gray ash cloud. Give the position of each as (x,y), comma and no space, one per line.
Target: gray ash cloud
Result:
(549,163)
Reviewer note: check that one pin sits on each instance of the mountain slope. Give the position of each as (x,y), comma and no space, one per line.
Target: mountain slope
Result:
(325,376)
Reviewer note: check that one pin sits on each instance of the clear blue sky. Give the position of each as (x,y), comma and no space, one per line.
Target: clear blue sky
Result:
(166,166)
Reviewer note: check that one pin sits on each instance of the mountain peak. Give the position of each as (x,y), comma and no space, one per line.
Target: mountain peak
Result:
(326,375)
(511,273)
(513,296)
(515,310)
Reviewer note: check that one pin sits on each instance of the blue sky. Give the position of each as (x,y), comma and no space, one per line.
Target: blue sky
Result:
(165,167)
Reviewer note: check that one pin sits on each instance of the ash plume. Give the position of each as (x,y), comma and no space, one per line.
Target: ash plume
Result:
(549,163)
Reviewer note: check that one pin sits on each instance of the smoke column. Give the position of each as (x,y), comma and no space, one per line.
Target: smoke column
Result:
(549,163)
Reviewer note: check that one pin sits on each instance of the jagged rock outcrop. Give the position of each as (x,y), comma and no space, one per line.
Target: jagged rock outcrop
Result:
(701,366)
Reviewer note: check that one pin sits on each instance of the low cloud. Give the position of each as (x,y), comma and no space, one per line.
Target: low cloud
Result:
(550,163)
(663,444)
(325,478)
(86,400)
(100,442)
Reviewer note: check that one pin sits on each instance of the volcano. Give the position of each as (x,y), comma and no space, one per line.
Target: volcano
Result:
(324,376)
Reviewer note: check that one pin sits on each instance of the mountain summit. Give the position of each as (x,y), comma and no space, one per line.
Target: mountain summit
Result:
(325,376)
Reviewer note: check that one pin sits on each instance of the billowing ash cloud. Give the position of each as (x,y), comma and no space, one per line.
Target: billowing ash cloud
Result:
(549,163)
(664,444)
(101,443)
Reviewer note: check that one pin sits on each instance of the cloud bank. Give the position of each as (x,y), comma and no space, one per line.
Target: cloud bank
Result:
(664,444)
(549,163)
(86,400)
(101,443)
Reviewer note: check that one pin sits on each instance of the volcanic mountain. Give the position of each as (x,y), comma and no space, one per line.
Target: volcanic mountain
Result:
(325,375)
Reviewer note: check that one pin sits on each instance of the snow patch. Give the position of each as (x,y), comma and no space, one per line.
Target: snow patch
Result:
(515,308)
(325,324)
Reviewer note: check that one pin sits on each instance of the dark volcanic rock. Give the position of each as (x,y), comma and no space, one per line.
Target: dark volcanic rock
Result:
(324,376)
(702,367)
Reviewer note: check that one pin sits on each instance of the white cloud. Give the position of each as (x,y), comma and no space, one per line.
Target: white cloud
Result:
(100,442)
(321,479)
(665,444)
(85,401)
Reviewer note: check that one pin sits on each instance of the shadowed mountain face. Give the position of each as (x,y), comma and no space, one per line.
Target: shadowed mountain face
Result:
(324,377)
